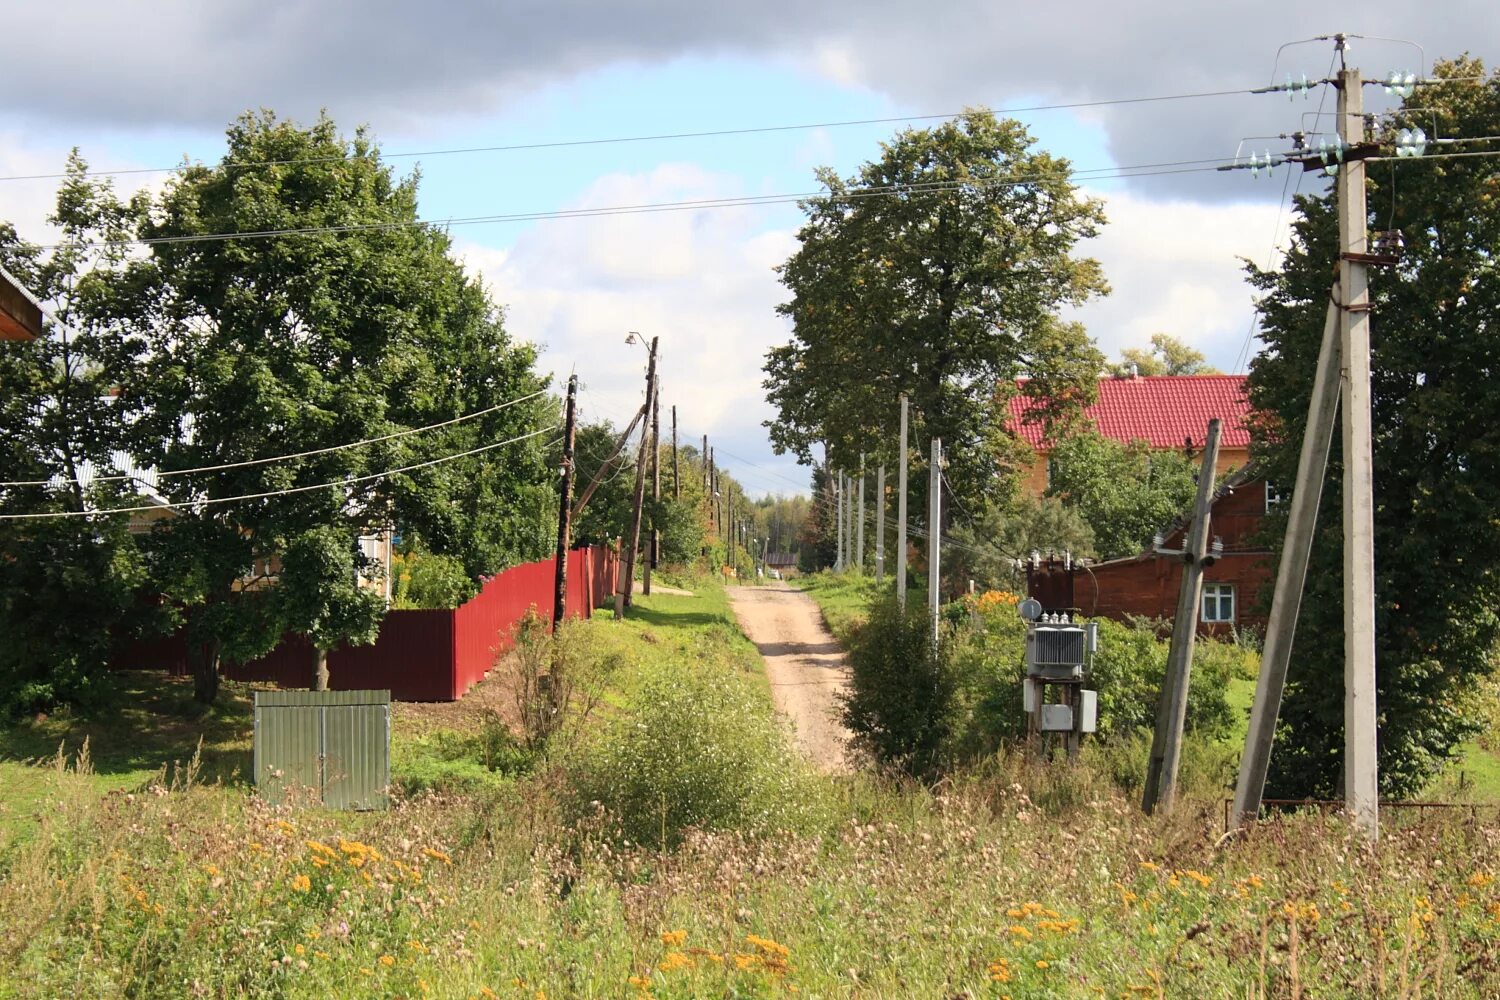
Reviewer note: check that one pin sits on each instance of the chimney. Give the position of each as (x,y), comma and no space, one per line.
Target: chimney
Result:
(1135,371)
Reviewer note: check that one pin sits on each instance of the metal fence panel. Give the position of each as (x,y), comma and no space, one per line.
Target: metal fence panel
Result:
(288,752)
(356,762)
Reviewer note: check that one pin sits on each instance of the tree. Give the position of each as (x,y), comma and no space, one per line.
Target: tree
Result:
(983,550)
(1124,493)
(66,582)
(1167,356)
(1436,429)
(606,516)
(935,270)
(354,323)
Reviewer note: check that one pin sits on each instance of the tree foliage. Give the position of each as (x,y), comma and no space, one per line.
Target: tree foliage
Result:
(1436,350)
(1124,493)
(936,270)
(66,584)
(1166,356)
(983,550)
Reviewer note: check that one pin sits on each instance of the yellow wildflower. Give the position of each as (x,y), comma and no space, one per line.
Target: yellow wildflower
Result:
(387,961)
(301,883)
(437,855)
(674,939)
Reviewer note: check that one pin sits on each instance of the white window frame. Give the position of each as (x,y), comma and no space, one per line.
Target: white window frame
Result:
(1214,597)
(1273,495)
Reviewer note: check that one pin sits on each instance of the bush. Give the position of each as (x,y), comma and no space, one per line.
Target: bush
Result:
(903,705)
(426,580)
(694,748)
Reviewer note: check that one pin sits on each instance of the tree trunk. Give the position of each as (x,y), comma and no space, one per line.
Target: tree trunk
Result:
(205,663)
(320,669)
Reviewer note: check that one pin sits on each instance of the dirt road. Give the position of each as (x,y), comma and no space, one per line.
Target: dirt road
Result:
(804,663)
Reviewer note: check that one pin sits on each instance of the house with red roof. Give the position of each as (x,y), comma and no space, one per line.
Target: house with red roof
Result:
(1167,412)
(1164,411)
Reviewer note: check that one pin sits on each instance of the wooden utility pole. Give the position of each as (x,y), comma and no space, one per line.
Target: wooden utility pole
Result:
(901,513)
(934,532)
(704,458)
(879,524)
(676,467)
(607,464)
(859,544)
(655,488)
(1361,770)
(640,491)
(1291,573)
(565,509)
(1171,709)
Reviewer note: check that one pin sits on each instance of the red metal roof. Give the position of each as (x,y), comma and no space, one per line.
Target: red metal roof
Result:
(1162,410)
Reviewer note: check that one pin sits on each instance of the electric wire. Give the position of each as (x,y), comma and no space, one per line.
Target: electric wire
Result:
(742,201)
(654,137)
(300,454)
(207,501)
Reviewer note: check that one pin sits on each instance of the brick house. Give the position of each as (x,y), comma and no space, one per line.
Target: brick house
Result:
(1165,411)
(1147,585)
(20,316)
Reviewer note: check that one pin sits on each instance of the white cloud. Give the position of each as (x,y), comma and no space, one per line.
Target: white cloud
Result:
(701,281)
(1175,267)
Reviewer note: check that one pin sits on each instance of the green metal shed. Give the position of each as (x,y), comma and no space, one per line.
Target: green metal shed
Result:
(333,745)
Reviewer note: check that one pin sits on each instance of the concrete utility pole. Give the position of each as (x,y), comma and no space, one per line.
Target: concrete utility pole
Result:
(879,525)
(676,466)
(655,488)
(1291,574)
(728,525)
(1361,785)
(859,543)
(934,532)
(640,491)
(901,513)
(1171,711)
(703,457)
(565,509)
(838,500)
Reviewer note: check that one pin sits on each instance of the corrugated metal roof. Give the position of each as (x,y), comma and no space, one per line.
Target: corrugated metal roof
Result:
(1165,411)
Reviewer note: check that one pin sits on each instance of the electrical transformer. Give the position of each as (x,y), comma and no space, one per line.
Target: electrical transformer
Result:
(1058,653)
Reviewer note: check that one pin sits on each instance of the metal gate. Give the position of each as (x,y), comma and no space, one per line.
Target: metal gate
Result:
(332,747)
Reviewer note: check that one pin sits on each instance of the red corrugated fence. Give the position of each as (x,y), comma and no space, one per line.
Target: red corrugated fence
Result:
(420,655)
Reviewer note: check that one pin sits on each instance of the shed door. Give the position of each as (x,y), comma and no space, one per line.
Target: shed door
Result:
(356,769)
(289,748)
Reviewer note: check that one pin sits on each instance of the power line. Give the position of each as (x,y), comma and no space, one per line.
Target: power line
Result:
(301,454)
(743,201)
(276,493)
(654,137)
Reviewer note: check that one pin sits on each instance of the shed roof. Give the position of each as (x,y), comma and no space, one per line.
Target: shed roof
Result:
(1165,411)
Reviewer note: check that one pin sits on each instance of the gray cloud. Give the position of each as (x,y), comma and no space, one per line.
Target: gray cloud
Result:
(193,64)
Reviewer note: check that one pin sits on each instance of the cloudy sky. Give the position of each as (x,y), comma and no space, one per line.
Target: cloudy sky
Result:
(137,86)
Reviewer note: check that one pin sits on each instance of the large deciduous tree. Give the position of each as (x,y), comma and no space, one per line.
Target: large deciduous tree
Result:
(335,319)
(936,270)
(1125,493)
(1435,373)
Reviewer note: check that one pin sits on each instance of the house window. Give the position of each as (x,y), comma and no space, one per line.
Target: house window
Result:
(1273,496)
(1218,602)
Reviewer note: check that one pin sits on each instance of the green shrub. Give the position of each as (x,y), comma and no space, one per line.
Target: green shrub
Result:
(695,747)
(903,705)
(426,580)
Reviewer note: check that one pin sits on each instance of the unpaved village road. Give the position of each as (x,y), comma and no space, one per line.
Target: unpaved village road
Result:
(804,663)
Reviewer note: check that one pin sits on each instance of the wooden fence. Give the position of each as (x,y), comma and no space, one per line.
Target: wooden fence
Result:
(419,655)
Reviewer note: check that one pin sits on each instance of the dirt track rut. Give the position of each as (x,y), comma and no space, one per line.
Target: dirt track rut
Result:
(804,663)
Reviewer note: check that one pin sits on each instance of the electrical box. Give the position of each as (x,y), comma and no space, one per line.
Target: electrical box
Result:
(333,745)
(1088,711)
(1057,718)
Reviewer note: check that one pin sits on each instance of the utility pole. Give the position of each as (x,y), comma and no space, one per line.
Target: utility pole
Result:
(703,457)
(1361,794)
(859,546)
(565,508)
(901,513)
(608,463)
(879,524)
(1171,710)
(934,531)
(1291,573)
(728,522)
(838,500)
(655,488)
(676,467)
(640,491)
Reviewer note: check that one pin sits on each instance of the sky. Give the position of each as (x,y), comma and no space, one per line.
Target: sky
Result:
(139,85)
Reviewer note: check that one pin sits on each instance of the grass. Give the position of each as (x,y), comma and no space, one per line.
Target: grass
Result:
(844,599)
(1013,879)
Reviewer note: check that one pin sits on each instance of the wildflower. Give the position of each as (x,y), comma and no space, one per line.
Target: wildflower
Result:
(673,939)
(212,871)
(1020,932)
(437,855)
(1203,880)
(1150,866)
(299,949)
(1481,879)
(387,961)
(417,946)
(318,847)
(676,960)
(1042,963)
(301,883)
